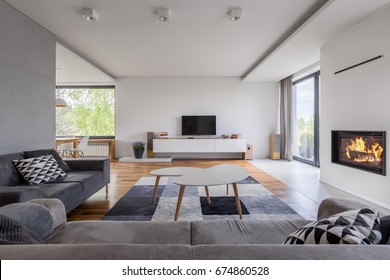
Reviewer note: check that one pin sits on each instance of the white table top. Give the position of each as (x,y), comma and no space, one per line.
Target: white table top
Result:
(216,175)
(174,171)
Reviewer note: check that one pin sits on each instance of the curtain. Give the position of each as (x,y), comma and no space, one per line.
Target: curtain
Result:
(286,118)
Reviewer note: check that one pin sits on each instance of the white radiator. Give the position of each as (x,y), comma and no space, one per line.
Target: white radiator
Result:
(97,150)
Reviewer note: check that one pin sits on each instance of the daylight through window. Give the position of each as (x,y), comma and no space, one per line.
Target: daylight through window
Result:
(306,119)
(90,111)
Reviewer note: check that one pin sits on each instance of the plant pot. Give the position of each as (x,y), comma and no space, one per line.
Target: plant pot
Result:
(138,153)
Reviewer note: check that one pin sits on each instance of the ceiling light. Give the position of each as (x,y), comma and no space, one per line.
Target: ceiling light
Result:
(89,14)
(235,14)
(163,14)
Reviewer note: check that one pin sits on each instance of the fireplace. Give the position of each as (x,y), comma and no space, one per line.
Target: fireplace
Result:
(364,150)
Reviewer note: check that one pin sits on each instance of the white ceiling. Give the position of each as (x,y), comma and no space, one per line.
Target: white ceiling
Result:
(303,47)
(128,40)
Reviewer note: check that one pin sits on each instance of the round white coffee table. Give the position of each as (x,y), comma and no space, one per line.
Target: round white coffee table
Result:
(212,176)
(170,172)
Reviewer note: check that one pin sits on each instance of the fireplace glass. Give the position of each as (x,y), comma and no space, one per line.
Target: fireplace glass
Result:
(364,150)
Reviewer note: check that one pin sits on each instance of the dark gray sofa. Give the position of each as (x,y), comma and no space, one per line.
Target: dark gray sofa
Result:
(84,177)
(228,239)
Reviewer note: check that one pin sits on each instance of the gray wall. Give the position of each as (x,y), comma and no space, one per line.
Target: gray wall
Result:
(27,83)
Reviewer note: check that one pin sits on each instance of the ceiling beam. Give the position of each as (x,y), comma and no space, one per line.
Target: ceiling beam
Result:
(297,28)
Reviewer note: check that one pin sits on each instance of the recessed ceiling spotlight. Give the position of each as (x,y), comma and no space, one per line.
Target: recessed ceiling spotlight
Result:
(89,14)
(235,14)
(163,14)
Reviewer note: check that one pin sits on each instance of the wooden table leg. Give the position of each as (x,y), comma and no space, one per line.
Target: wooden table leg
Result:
(237,200)
(155,188)
(207,194)
(181,193)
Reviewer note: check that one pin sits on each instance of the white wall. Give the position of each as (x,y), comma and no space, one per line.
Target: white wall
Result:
(157,104)
(27,83)
(358,99)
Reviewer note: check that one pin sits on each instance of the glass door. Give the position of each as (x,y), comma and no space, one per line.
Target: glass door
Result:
(306,119)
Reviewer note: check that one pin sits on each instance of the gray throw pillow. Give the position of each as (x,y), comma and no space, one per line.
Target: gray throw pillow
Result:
(13,232)
(43,152)
(35,216)
(385,230)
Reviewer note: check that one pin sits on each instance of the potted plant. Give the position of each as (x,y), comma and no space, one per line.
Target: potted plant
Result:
(138,148)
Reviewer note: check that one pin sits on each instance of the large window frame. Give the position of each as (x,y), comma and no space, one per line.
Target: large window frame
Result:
(316,78)
(90,87)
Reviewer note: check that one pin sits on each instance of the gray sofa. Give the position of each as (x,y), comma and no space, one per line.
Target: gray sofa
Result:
(84,177)
(224,239)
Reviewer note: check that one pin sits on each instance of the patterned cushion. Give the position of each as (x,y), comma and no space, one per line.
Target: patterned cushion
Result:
(13,232)
(39,169)
(359,226)
(44,152)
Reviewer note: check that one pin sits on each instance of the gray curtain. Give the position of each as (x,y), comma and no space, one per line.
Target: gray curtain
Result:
(286,118)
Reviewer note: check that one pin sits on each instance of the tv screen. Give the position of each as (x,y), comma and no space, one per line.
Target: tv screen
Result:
(198,125)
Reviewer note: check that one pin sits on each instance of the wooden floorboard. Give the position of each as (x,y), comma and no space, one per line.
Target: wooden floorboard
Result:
(125,175)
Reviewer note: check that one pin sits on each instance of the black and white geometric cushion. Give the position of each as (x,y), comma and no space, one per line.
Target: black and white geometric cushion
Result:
(359,226)
(39,169)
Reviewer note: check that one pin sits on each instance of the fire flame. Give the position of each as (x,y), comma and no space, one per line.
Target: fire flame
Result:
(359,145)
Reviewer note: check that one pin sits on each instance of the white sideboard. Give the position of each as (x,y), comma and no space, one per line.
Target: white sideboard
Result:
(196,145)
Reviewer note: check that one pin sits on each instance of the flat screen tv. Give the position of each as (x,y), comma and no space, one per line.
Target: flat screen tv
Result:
(198,125)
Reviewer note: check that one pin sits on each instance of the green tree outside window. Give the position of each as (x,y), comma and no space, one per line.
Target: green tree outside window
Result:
(90,111)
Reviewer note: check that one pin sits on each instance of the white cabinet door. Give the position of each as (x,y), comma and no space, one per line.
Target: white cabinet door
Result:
(230,145)
(164,146)
(197,145)
(183,145)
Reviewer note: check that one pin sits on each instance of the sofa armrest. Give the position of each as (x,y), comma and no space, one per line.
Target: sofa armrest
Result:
(56,208)
(34,216)
(332,206)
(91,165)
(88,164)
(14,194)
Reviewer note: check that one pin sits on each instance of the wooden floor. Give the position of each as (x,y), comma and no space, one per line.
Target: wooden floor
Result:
(125,175)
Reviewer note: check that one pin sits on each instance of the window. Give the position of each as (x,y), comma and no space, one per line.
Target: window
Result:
(90,111)
(306,119)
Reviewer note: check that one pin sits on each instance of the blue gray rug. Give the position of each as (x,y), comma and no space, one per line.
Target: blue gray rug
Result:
(256,203)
